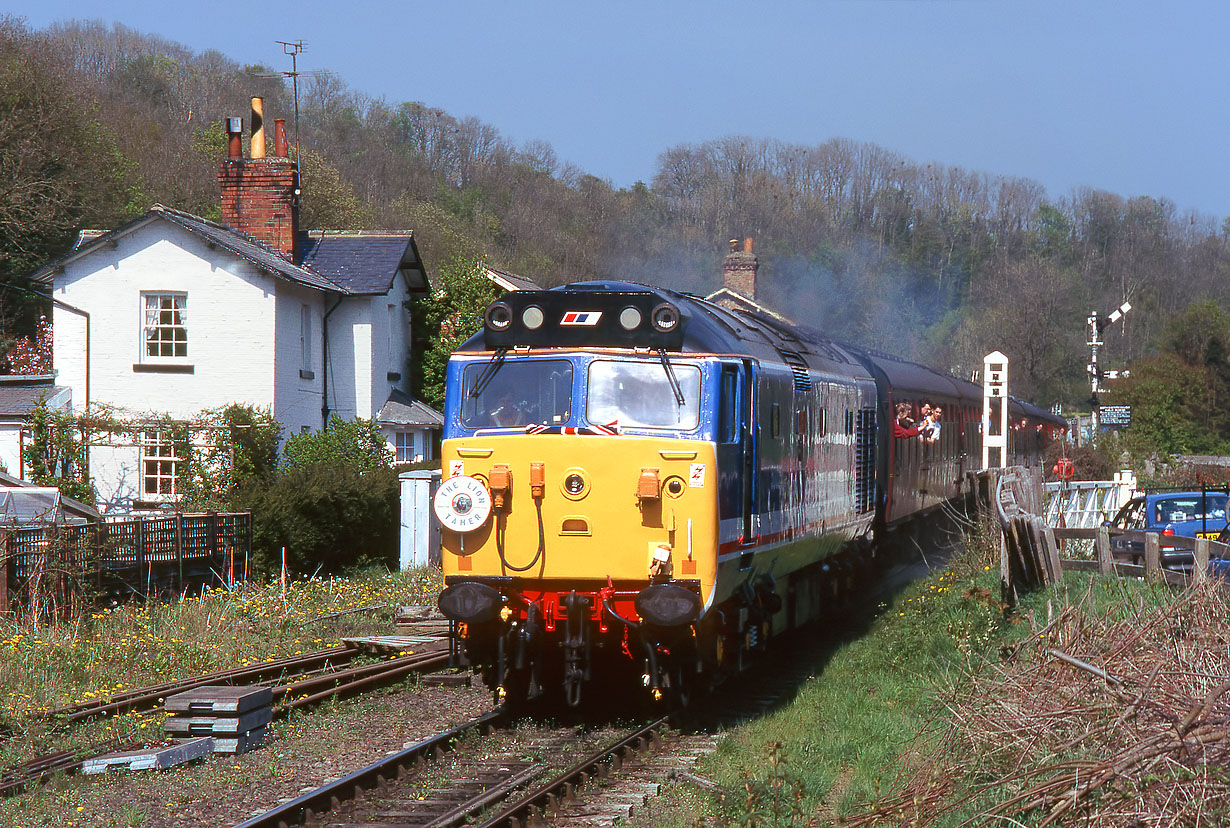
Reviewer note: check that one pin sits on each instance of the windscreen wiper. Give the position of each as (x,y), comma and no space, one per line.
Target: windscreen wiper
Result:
(489,371)
(670,375)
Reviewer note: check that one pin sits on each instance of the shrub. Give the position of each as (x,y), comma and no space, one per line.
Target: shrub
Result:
(331,519)
(354,443)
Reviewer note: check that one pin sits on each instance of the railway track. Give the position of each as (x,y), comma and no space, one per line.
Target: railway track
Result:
(508,778)
(304,691)
(149,698)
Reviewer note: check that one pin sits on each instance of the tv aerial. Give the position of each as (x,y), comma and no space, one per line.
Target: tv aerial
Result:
(294,48)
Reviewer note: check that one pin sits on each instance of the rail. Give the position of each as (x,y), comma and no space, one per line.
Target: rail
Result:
(306,807)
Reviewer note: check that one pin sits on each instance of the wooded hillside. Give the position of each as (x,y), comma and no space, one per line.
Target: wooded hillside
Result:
(938,263)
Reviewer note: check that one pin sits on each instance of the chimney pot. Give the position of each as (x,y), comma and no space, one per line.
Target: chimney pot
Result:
(280,149)
(234,134)
(258,128)
(747,245)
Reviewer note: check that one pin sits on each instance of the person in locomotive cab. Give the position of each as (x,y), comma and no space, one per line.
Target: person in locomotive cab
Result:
(903,426)
(508,413)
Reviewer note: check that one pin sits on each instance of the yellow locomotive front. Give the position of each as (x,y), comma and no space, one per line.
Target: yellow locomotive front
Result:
(579,509)
(569,511)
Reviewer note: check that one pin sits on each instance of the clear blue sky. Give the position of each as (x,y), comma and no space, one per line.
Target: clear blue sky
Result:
(1120,95)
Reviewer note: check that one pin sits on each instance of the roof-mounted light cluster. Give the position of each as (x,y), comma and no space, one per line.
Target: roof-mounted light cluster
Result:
(572,318)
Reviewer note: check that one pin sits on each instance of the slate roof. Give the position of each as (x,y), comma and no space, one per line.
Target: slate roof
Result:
(734,300)
(18,395)
(511,281)
(402,409)
(240,244)
(362,263)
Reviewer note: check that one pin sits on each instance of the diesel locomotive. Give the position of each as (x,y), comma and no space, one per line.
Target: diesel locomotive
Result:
(641,488)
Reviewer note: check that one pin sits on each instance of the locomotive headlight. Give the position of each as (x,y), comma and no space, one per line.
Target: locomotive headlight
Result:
(532,317)
(630,318)
(665,317)
(575,484)
(499,316)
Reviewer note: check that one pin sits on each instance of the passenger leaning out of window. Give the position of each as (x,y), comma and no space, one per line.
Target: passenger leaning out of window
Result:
(931,428)
(903,426)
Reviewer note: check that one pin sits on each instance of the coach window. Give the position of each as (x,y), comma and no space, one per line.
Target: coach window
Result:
(640,395)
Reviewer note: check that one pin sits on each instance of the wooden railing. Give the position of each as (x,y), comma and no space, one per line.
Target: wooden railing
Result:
(1203,550)
(65,566)
(1031,553)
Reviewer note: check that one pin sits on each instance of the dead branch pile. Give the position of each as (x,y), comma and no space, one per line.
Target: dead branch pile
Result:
(1091,722)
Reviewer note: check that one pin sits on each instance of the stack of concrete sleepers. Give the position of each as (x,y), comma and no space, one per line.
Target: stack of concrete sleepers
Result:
(236,717)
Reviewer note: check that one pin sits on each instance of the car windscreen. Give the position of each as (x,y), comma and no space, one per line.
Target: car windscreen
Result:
(521,392)
(1211,508)
(638,394)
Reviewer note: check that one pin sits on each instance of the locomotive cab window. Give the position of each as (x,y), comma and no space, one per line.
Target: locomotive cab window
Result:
(639,395)
(728,419)
(521,392)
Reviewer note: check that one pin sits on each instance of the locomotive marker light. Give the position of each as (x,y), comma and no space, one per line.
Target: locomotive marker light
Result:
(533,317)
(575,484)
(462,504)
(630,318)
(665,317)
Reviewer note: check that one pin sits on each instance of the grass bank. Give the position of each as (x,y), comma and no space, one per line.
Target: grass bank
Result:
(881,717)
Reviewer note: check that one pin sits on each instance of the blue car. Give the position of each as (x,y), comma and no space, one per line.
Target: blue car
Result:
(1185,514)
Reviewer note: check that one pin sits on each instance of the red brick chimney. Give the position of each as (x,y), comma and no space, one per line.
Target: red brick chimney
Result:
(260,196)
(739,269)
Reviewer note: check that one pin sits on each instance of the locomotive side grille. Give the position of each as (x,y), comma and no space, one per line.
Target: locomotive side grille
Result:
(864,460)
(802,380)
(798,366)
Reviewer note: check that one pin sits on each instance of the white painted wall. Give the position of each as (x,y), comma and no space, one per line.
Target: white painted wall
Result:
(10,447)
(350,358)
(297,399)
(243,344)
(397,339)
(230,310)
(116,472)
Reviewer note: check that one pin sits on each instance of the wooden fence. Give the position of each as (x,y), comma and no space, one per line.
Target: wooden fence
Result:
(1031,554)
(55,569)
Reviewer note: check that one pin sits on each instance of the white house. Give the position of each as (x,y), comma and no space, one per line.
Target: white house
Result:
(18,396)
(175,314)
